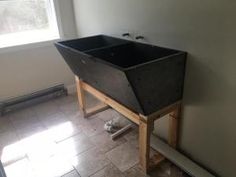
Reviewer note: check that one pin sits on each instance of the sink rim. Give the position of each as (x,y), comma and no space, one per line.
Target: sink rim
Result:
(94,58)
(122,41)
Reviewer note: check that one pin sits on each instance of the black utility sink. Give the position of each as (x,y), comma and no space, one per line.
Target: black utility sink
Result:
(144,78)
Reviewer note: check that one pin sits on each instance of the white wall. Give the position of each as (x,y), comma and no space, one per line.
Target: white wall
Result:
(37,66)
(206,30)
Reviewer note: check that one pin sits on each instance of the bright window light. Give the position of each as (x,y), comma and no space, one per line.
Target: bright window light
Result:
(27,21)
(39,155)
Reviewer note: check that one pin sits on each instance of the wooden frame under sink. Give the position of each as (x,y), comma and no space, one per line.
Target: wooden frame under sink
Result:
(145,123)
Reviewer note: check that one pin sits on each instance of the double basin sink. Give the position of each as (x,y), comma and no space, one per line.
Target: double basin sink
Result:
(142,77)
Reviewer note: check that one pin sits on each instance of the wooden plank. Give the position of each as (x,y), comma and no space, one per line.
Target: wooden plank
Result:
(164,111)
(179,159)
(112,103)
(80,94)
(95,109)
(144,144)
(121,131)
(155,160)
(173,126)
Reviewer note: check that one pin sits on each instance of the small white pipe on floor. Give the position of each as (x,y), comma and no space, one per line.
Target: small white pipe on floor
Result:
(179,159)
(121,131)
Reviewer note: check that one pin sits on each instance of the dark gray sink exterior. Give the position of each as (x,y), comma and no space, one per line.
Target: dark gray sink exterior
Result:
(142,77)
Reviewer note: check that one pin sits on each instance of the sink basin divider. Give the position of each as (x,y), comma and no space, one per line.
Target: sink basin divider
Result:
(106,47)
(145,123)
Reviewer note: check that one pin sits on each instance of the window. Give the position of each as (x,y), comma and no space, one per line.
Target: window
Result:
(27,21)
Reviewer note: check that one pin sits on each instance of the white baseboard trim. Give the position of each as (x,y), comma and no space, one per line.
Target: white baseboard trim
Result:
(183,162)
(71,89)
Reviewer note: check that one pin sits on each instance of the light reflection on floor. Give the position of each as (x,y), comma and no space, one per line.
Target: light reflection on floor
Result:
(37,148)
(53,139)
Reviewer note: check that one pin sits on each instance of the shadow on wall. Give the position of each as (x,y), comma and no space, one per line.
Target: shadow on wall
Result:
(207,101)
(203,83)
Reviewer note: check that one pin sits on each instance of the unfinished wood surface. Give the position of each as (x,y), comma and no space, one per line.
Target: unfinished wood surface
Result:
(162,112)
(112,103)
(95,109)
(173,126)
(155,160)
(144,144)
(80,94)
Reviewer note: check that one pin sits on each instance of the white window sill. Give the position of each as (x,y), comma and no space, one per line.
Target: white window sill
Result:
(28,46)
(21,41)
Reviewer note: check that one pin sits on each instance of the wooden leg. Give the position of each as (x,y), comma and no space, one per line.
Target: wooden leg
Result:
(155,160)
(90,111)
(80,93)
(173,126)
(144,144)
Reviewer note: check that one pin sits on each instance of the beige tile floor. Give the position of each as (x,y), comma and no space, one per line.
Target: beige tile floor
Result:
(52,139)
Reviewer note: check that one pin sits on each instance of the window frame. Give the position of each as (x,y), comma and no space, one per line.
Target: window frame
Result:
(55,10)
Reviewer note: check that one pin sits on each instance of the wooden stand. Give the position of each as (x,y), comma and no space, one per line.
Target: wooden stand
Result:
(146,123)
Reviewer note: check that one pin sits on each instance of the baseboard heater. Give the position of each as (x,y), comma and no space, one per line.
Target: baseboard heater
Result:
(187,165)
(32,99)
